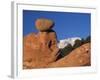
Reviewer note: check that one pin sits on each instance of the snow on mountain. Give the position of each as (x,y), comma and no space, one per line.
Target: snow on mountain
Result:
(63,43)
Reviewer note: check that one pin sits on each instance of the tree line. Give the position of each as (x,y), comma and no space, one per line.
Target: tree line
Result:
(66,50)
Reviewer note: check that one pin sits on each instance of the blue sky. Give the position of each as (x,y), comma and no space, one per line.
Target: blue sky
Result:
(66,24)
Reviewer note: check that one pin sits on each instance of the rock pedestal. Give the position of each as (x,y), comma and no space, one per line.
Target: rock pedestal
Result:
(41,51)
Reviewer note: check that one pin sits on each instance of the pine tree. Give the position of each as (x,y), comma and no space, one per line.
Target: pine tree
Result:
(82,41)
(77,43)
(88,39)
(65,51)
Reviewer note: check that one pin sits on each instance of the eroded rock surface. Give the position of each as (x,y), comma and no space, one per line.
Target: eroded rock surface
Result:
(78,57)
(40,50)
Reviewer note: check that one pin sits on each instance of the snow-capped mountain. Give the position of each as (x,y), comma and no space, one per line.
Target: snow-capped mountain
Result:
(63,43)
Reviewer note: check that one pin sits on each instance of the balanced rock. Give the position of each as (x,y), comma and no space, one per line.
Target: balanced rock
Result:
(41,51)
(43,24)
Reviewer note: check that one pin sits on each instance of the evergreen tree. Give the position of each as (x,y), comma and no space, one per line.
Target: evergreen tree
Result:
(65,51)
(77,43)
(82,41)
(88,39)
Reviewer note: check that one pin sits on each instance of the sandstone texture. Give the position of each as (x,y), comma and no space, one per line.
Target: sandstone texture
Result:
(78,57)
(41,51)
(44,24)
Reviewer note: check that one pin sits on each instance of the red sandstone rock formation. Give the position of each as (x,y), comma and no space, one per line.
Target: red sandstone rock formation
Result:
(40,50)
(78,57)
(44,24)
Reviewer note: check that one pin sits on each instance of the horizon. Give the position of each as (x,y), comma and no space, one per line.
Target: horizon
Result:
(67,24)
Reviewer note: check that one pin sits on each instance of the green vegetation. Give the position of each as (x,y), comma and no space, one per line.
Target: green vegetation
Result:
(65,51)
(77,43)
(88,39)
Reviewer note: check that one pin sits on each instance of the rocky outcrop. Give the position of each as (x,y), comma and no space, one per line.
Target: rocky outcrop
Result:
(78,57)
(40,50)
(43,24)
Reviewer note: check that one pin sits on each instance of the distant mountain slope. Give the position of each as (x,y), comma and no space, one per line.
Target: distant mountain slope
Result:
(63,43)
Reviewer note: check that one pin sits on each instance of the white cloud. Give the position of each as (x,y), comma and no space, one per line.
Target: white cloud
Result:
(63,43)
